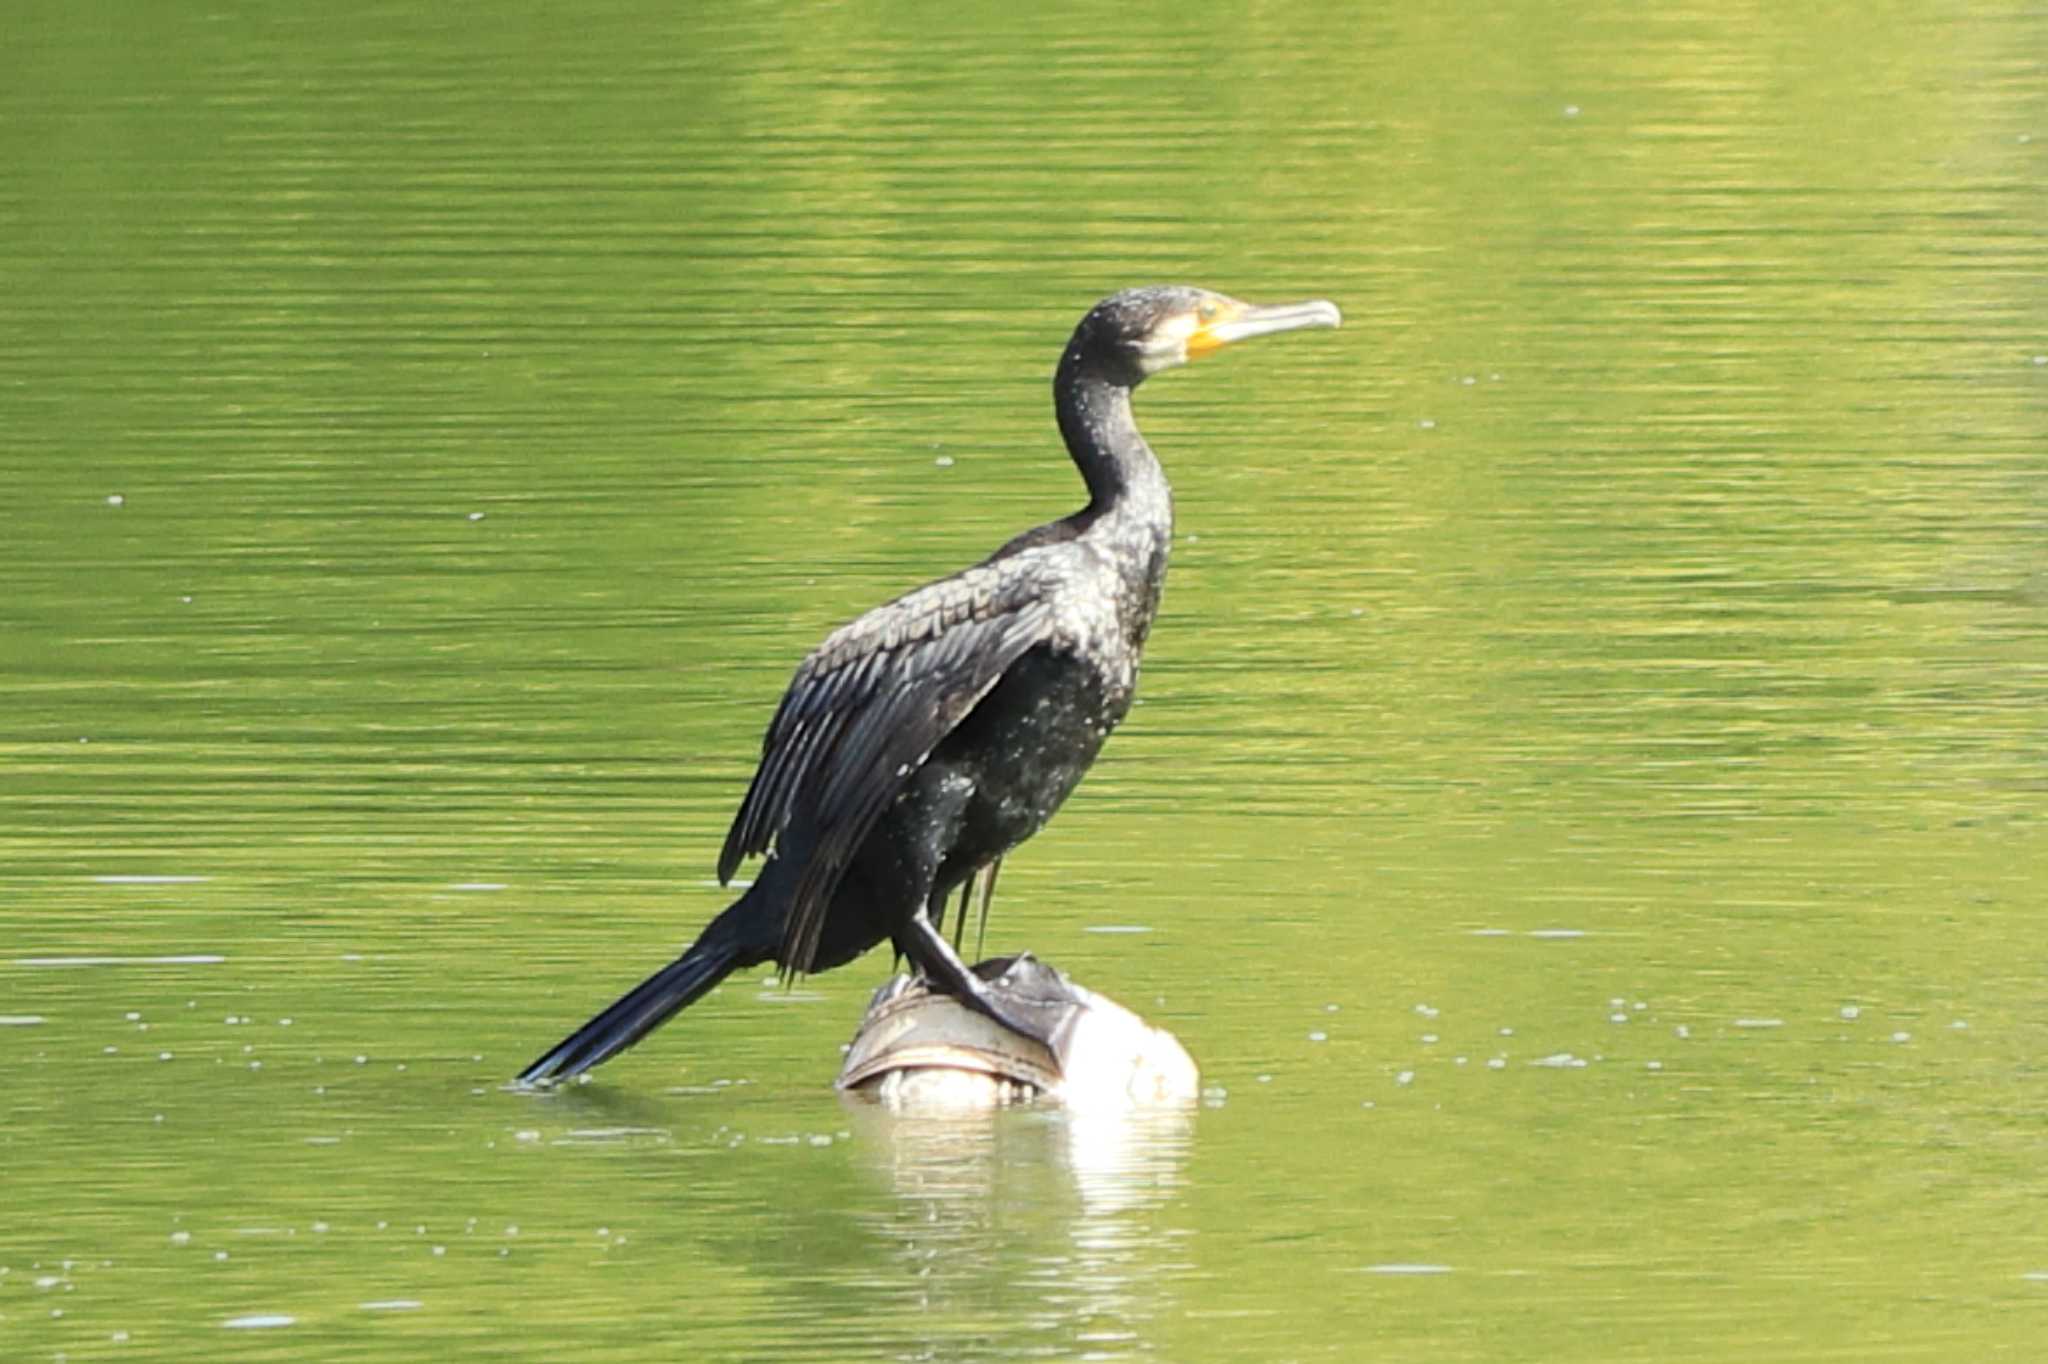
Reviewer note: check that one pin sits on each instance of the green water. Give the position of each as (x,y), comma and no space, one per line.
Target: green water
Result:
(1585,809)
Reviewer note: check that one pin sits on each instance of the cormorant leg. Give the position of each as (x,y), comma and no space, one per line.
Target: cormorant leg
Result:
(988,895)
(941,965)
(960,924)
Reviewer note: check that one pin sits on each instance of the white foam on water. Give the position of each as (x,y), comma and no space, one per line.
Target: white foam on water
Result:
(183,959)
(152,880)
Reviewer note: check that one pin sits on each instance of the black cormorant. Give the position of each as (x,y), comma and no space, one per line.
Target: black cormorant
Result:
(921,742)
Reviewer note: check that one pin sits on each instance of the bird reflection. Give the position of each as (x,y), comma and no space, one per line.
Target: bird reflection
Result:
(1069,1216)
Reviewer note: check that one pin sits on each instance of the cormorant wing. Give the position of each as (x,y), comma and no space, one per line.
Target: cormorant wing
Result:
(863,713)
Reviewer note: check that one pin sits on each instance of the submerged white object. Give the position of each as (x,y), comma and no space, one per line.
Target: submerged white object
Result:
(917,1048)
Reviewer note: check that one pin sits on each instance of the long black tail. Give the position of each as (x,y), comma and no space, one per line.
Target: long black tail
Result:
(722,948)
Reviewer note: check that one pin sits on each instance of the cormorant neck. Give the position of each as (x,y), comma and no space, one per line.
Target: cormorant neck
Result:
(1102,436)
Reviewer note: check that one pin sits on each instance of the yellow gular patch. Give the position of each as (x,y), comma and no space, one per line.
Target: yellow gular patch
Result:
(1202,339)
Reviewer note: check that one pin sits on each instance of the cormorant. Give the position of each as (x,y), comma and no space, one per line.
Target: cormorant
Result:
(922,741)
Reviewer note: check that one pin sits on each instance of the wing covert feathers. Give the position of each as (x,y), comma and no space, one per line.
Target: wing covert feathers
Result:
(865,710)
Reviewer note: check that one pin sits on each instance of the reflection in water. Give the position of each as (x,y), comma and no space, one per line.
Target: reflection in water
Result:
(1070,1203)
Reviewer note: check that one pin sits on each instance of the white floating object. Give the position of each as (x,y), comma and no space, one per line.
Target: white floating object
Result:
(919,1049)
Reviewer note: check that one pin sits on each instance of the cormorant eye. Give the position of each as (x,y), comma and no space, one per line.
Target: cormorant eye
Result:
(1206,310)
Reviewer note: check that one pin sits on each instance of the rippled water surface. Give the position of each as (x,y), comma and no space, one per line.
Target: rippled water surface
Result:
(1585,809)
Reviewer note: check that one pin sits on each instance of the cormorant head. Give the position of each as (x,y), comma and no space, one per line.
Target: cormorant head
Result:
(1133,335)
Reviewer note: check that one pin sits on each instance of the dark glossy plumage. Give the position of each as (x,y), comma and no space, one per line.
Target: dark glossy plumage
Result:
(925,739)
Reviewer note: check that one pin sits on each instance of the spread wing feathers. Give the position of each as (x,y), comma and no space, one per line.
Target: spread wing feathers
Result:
(863,713)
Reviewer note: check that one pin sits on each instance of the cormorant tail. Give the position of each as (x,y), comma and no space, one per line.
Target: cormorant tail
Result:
(721,949)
